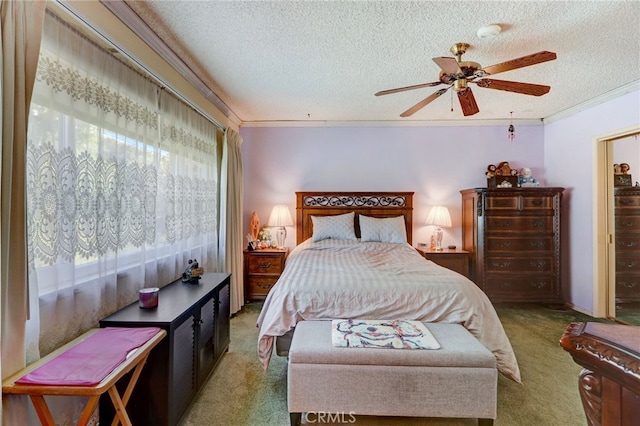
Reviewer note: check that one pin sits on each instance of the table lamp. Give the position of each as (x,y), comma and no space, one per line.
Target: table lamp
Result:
(280,217)
(438,216)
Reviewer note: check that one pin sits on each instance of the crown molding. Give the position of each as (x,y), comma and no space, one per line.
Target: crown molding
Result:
(392,123)
(615,93)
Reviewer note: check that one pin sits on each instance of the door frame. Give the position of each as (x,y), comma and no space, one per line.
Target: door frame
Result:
(603,235)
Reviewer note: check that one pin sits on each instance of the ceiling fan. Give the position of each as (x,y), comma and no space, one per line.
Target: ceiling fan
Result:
(458,74)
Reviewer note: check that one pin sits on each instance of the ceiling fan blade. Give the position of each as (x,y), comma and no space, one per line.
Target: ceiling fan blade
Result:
(514,86)
(423,103)
(468,102)
(402,89)
(524,61)
(448,65)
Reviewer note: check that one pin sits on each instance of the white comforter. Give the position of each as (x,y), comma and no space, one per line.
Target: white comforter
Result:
(333,279)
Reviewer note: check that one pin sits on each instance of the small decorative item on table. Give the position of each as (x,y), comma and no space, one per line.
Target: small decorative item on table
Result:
(501,176)
(621,175)
(525,180)
(148,297)
(192,273)
(264,237)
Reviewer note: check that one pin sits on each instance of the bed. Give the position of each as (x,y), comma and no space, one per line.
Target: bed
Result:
(358,263)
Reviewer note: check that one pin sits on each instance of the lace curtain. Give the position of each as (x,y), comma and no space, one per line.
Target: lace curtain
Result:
(121,187)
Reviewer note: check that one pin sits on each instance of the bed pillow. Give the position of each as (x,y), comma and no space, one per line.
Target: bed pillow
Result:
(385,230)
(338,227)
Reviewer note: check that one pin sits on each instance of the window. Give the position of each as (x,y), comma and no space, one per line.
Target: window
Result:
(122,184)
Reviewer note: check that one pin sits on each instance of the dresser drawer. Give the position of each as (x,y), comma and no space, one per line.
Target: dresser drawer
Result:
(518,203)
(628,263)
(626,201)
(628,287)
(520,244)
(626,243)
(540,264)
(260,285)
(265,264)
(626,223)
(530,224)
(509,286)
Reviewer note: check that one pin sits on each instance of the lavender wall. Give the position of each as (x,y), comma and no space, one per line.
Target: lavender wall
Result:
(569,159)
(434,162)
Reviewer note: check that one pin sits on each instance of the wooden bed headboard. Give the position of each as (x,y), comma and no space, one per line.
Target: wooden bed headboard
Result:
(374,204)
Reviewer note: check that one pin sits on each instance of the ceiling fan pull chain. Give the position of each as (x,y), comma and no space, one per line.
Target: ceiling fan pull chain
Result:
(451,101)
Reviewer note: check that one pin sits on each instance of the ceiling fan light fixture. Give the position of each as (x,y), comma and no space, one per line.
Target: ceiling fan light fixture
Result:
(489,31)
(460,85)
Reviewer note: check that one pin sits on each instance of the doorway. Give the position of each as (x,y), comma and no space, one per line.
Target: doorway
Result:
(604,218)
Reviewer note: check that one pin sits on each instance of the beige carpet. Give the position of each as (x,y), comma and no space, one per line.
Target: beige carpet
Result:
(239,392)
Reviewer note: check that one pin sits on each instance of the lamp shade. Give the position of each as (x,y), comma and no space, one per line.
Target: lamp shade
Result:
(439,216)
(280,216)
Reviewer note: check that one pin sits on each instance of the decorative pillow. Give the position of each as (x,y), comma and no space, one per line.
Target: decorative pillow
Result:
(338,227)
(385,230)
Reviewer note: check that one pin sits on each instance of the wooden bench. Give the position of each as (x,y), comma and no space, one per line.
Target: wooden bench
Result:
(458,380)
(36,392)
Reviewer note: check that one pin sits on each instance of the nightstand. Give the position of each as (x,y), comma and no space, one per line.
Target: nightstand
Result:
(456,260)
(262,268)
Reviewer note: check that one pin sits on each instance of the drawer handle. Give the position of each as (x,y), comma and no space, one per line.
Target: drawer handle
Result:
(264,265)
(537,244)
(627,244)
(264,286)
(503,244)
(627,265)
(502,223)
(538,224)
(501,264)
(501,203)
(538,284)
(540,264)
(536,203)
(626,284)
(627,202)
(628,223)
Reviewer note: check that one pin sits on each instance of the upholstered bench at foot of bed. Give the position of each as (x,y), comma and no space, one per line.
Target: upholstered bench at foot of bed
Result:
(458,380)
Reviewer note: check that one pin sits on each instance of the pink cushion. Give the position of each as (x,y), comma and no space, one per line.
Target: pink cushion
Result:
(90,361)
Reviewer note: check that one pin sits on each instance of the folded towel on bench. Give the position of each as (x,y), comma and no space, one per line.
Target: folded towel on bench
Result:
(398,334)
(90,361)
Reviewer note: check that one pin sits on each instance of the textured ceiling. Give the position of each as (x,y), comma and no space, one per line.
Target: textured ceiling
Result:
(324,60)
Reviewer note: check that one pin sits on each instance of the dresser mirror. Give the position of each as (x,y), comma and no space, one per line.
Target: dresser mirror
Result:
(626,210)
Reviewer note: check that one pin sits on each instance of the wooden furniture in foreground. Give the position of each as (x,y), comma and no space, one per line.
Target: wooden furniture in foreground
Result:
(374,204)
(37,392)
(627,232)
(609,384)
(513,235)
(262,268)
(196,319)
(456,260)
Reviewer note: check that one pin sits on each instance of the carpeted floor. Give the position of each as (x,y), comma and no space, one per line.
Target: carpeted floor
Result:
(239,392)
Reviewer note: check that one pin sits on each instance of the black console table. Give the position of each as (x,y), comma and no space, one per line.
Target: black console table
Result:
(196,318)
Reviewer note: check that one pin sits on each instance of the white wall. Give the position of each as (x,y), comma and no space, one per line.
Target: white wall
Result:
(435,162)
(569,157)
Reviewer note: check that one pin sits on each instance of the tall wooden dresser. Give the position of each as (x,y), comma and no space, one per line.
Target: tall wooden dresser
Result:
(627,231)
(513,236)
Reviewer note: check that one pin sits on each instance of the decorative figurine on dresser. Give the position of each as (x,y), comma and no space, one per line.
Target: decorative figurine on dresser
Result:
(513,237)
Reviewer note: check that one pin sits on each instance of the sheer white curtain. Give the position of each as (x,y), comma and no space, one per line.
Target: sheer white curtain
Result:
(121,186)
(188,195)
